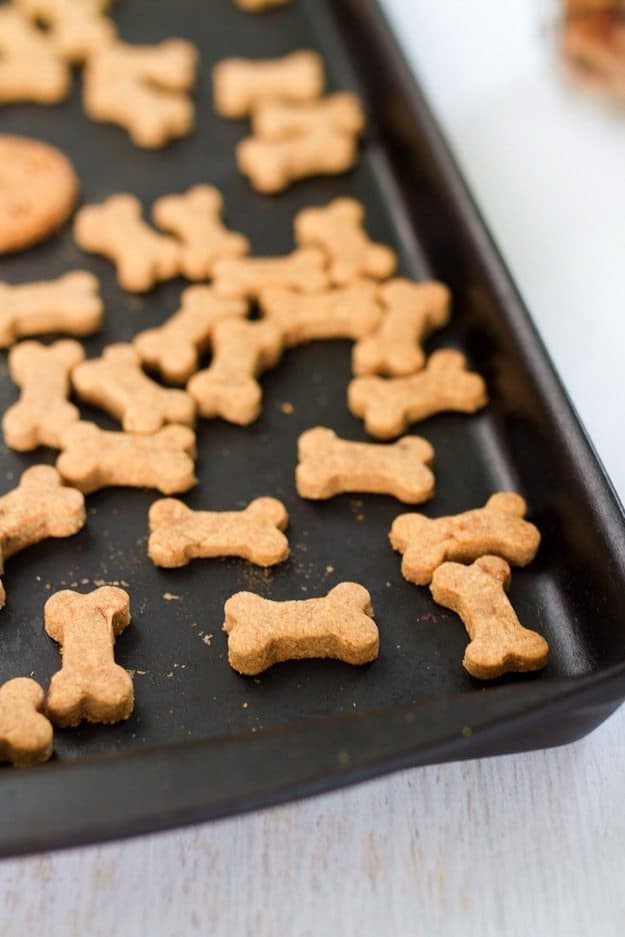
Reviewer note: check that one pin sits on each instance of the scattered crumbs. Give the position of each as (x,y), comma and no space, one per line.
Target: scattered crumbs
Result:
(9,476)
(194,624)
(329,570)
(427,617)
(84,582)
(181,666)
(398,646)
(133,735)
(38,578)
(343,758)
(253,728)
(388,585)
(257,680)
(354,704)
(304,588)
(244,705)
(32,673)
(206,638)
(109,582)
(48,585)
(360,517)
(171,597)
(287,408)
(467,731)
(170,674)
(141,673)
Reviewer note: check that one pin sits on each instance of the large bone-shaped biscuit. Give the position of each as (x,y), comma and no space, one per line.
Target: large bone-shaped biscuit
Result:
(43,411)
(273,165)
(25,732)
(499,527)
(303,270)
(93,458)
(71,304)
(238,84)
(89,685)
(75,28)
(347,312)
(329,466)
(499,642)
(275,120)
(262,633)
(178,534)
(30,68)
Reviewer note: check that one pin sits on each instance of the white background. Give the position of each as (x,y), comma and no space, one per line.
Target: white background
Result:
(528,844)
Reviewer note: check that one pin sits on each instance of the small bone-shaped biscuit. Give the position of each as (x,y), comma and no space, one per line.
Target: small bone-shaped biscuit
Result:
(303,270)
(116,230)
(43,411)
(89,685)
(179,534)
(499,527)
(195,218)
(338,229)
(238,84)
(70,304)
(413,310)
(174,348)
(30,69)
(329,466)
(241,351)
(389,405)
(75,28)
(116,383)
(262,633)
(25,732)
(275,120)
(93,458)
(272,165)
(348,312)
(499,642)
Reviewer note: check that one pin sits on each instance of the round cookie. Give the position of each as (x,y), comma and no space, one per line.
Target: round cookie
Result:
(38,190)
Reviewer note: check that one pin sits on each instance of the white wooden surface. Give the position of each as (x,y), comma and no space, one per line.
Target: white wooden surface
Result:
(527,844)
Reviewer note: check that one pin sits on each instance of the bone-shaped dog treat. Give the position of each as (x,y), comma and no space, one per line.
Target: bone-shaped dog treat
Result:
(238,84)
(273,165)
(116,230)
(174,348)
(30,69)
(75,28)
(413,310)
(89,685)
(116,383)
(143,89)
(94,459)
(241,351)
(70,304)
(329,466)
(255,6)
(389,405)
(25,732)
(303,270)
(499,642)
(43,411)
(275,120)
(179,534)
(262,633)
(195,218)
(338,229)
(499,527)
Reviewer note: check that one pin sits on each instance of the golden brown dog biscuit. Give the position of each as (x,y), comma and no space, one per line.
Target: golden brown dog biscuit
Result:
(303,270)
(70,304)
(412,312)
(25,732)
(273,165)
(75,28)
(89,685)
(178,534)
(276,120)
(329,466)
(389,405)
(115,229)
(174,348)
(93,458)
(262,633)
(337,228)
(239,84)
(499,527)
(347,312)
(255,6)
(499,642)
(30,68)
(43,411)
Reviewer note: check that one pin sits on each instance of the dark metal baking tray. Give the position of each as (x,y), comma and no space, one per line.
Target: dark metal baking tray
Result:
(204,742)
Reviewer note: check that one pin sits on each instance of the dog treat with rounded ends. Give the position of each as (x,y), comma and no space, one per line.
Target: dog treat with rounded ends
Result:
(75,28)
(239,84)
(389,405)
(277,120)
(499,527)
(262,633)
(338,229)
(93,458)
(255,6)
(89,685)
(25,731)
(178,534)
(413,311)
(174,348)
(116,383)
(303,270)
(329,465)
(115,229)
(348,312)
(30,68)
(499,642)
(71,304)
(241,351)
(272,166)
(43,411)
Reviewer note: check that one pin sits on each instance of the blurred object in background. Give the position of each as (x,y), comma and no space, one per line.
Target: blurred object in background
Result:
(594,44)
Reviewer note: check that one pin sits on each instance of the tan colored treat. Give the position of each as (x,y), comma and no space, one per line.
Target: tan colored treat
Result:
(30,69)
(499,527)
(303,270)
(228,388)
(93,458)
(329,466)
(499,642)
(116,383)
(71,304)
(413,311)
(89,685)
(277,120)
(255,6)
(338,229)
(75,28)
(25,732)
(262,633)
(43,411)
(272,166)
(348,312)
(174,348)
(239,84)
(178,534)
(115,229)
(195,218)
(389,405)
